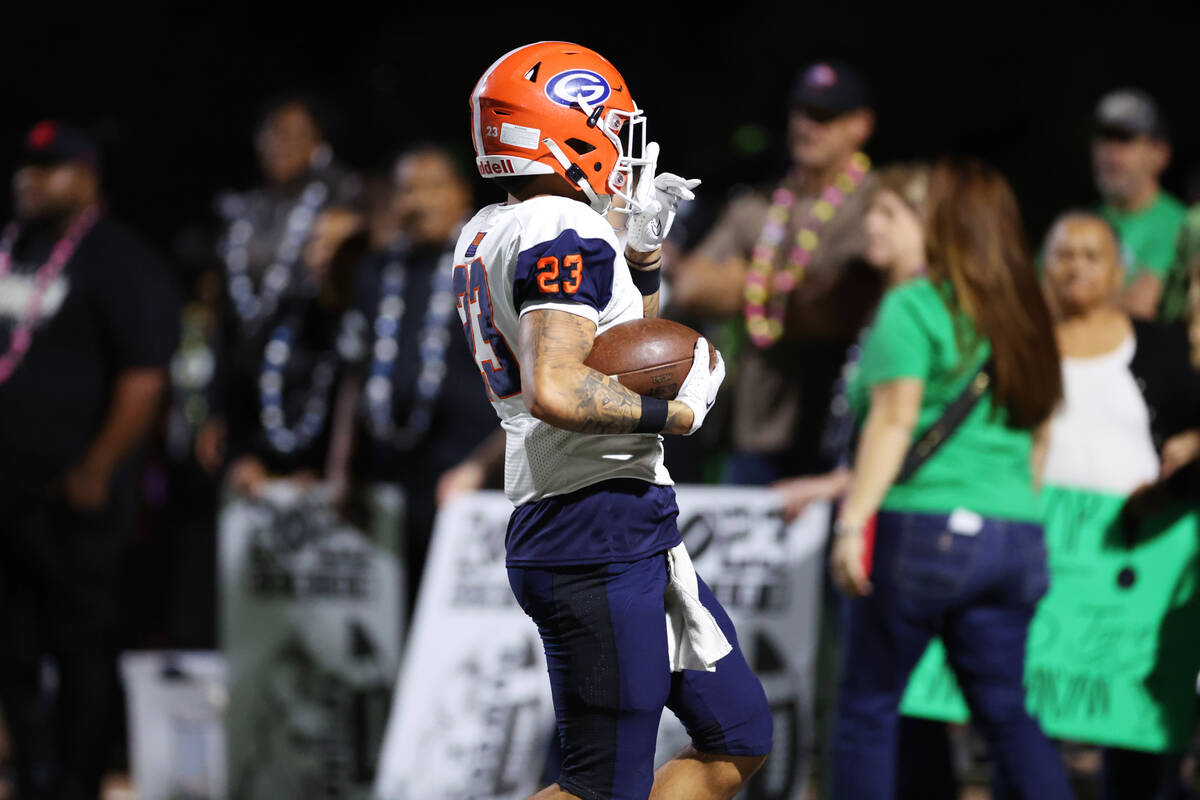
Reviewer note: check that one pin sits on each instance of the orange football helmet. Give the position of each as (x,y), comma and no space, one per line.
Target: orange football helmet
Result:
(557,107)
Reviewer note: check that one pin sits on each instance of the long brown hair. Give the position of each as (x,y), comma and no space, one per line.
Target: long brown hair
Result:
(979,255)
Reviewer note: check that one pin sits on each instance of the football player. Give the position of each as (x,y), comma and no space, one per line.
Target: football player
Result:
(593,549)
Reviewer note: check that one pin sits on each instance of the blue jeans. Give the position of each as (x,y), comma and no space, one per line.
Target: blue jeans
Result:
(977,589)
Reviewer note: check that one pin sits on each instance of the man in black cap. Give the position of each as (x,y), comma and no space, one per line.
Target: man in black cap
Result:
(87,322)
(789,262)
(1130,150)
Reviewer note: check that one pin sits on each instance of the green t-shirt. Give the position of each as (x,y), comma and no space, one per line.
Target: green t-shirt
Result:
(1148,236)
(985,465)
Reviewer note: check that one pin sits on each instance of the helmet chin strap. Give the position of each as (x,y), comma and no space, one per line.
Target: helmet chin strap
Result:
(575,174)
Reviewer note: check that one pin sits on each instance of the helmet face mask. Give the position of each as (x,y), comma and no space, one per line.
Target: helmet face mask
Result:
(559,108)
(630,152)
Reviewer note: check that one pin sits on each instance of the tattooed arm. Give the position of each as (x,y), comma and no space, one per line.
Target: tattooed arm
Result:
(560,390)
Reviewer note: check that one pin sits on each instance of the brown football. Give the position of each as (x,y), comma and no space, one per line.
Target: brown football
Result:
(648,356)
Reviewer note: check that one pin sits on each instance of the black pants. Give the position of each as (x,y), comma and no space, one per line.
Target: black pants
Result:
(58,603)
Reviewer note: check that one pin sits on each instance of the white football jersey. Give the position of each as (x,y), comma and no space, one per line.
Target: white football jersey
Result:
(546,252)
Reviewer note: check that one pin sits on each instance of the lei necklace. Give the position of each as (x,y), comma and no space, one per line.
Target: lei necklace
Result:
(254,307)
(278,351)
(434,339)
(767,289)
(22,334)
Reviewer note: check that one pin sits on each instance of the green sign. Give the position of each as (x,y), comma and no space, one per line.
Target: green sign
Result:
(1114,647)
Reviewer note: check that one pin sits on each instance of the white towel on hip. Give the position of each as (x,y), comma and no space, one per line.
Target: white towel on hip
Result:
(694,639)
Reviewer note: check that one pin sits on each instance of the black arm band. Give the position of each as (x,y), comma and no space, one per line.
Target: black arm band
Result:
(654,416)
(646,280)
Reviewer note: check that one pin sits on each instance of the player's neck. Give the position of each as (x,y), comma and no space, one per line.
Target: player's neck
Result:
(513,199)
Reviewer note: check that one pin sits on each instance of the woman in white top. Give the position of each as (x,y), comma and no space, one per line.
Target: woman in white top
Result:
(1130,416)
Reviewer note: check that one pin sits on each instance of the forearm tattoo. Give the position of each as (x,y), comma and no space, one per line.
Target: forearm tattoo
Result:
(555,343)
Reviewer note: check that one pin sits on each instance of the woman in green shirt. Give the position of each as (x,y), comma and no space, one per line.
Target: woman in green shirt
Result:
(958,546)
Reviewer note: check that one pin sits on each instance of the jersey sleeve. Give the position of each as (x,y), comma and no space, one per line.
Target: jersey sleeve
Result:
(571,272)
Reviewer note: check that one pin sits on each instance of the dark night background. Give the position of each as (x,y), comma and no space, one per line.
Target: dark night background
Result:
(175,94)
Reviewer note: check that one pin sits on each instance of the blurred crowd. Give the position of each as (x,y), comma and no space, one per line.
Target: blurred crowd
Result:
(314,338)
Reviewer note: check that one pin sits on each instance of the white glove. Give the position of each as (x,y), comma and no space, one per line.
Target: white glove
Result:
(699,389)
(656,198)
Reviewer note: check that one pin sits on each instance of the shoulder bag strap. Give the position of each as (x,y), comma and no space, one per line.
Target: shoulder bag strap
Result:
(941,430)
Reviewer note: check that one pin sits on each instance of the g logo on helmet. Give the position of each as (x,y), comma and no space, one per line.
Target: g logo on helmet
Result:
(565,86)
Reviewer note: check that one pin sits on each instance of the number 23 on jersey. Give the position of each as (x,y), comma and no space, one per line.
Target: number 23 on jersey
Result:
(495,358)
(548,274)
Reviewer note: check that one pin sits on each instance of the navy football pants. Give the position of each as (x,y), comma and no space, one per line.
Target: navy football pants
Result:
(604,631)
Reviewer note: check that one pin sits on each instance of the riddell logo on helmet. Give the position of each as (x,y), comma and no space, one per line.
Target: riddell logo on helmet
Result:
(496,166)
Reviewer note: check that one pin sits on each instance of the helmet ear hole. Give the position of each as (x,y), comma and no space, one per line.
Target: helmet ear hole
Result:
(580,146)
(597,166)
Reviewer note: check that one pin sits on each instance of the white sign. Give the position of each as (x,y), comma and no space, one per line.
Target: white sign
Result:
(311,631)
(472,716)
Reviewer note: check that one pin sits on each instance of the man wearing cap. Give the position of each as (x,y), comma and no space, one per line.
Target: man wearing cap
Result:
(788,264)
(1130,151)
(87,322)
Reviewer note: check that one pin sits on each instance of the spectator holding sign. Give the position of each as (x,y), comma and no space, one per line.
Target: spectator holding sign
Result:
(967,355)
(1129,419)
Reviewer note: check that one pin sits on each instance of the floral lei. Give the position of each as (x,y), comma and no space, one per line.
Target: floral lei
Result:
(767,289)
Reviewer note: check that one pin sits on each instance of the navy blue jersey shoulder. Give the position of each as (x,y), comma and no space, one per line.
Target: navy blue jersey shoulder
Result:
(617,520)
(568,267)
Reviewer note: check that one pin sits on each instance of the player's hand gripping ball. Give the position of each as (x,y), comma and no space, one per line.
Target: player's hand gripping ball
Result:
(700,387)
(663,359)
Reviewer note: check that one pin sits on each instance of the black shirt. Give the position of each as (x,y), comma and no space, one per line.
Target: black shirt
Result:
(461,415)
(114,307)
(1162,369)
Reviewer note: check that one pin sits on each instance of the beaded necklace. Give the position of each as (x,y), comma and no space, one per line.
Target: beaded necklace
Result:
(767,289)
(254,307)
(433,342)
(271,383)
(22,333)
